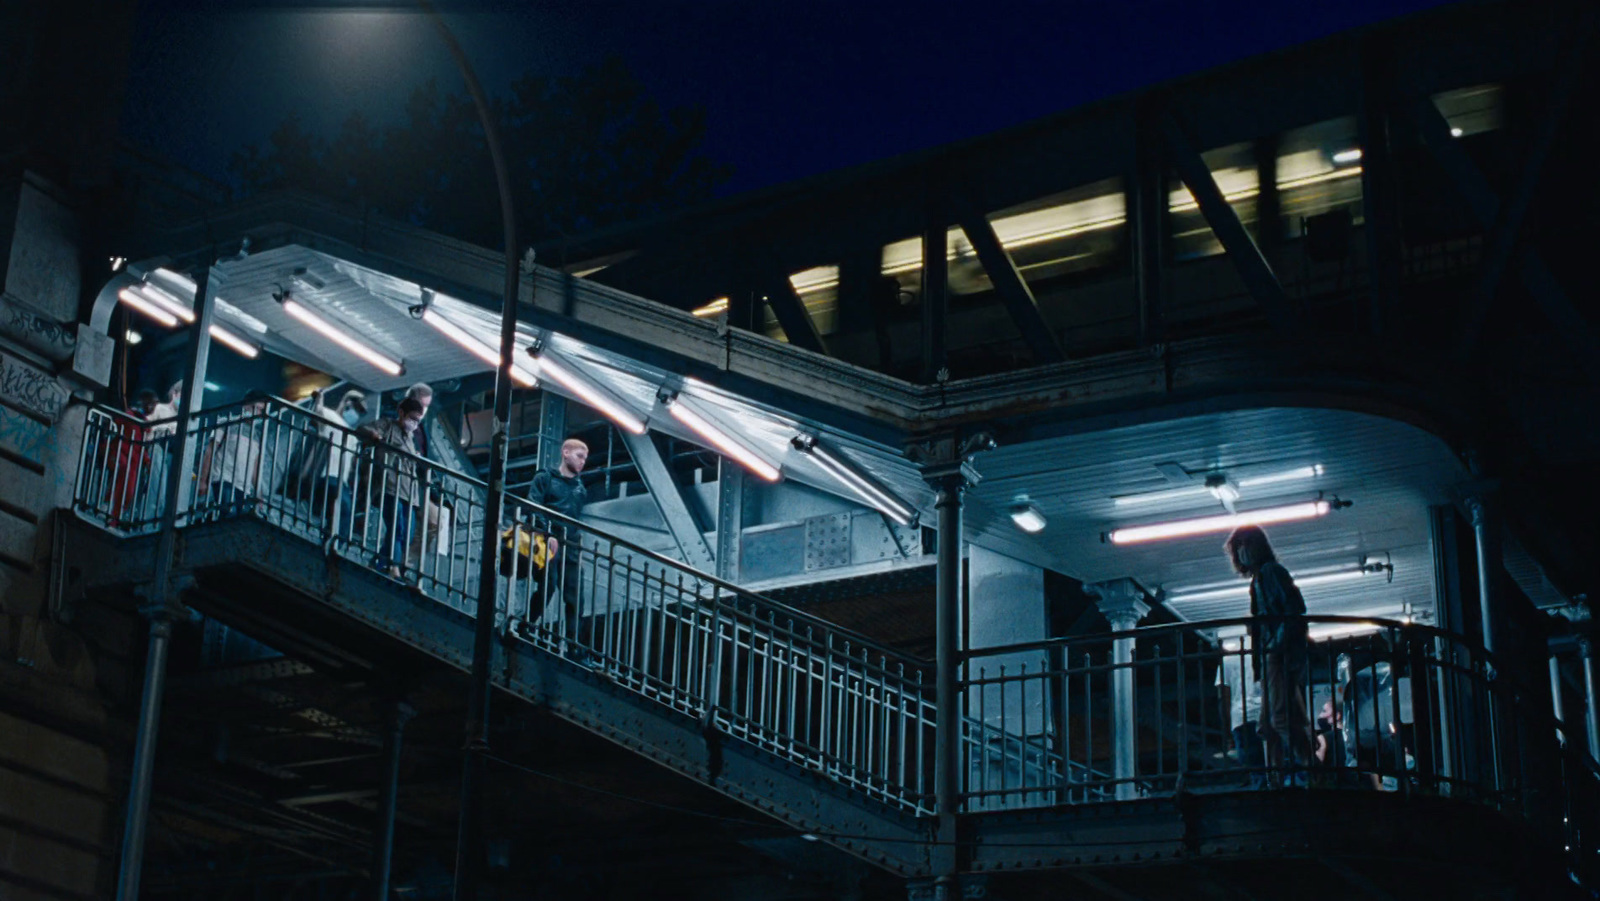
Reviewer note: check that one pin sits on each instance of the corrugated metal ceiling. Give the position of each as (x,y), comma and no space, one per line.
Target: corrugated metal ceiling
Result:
(1389,470)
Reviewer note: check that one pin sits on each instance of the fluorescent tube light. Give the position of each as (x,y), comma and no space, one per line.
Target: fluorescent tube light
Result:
(589,393)
(1153,497)
(1290,475)
(338,336)
(237,344)
(722,441)
(1347,156)
(1342,630)
(138,302)
(1028,518)
(181,284)
(477,348)
(875,495)
(1222,523)
(166,301)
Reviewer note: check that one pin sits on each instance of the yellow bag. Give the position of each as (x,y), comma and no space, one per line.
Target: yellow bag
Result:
(523,550)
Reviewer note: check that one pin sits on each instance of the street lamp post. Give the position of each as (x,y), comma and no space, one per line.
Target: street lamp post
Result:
(469,834)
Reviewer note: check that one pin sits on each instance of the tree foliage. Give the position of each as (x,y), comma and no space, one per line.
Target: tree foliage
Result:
(585,151)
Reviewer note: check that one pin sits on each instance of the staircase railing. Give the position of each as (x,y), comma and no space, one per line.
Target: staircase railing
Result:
(1389,706)
(797,686)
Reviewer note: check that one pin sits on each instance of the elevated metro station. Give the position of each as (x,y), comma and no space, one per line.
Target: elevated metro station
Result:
(896,579)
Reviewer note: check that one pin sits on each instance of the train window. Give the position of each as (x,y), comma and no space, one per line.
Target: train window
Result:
(1234,169)
(818,288)
(1472,110)
(1318,170)
(1064,233)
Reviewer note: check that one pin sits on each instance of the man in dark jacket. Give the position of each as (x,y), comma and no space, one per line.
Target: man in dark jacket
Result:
(1280,637)
(562,491)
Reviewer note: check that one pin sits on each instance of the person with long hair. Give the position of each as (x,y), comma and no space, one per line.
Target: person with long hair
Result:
(1279,637)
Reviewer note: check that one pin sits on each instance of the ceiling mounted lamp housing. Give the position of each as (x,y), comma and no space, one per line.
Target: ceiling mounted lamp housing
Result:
(470,342)
(1224,523)
(584,389)
(1028,517)
(338,335)
(857,480)
(718,438)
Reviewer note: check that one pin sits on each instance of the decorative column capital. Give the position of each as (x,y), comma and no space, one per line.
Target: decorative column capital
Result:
(946,460)
(1121,601)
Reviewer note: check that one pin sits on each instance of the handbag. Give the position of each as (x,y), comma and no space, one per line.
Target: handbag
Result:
(523,551)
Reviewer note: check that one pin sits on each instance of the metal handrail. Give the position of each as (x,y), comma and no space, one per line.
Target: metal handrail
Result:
(850,708)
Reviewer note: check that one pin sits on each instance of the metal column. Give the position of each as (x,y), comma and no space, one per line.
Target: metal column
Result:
(1556,705)
(383,835)
(161,605)
(1488,547)
(946,468)
(1122,603)
(1590,705)
(935,301)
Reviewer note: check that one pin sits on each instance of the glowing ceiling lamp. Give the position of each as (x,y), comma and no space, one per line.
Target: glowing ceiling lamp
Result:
(719,439)
(1222,489)
(138,301)
(1028,517)
(1347,156)
(519,374)
(715,308)
(1223,523)
(590,393)
(853,478)
(235,343)
(340,337)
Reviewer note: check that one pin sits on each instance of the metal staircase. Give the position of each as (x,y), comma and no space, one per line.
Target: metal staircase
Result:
(289,528)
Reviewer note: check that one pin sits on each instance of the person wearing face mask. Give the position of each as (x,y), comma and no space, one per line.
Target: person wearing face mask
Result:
(1279,634)
(396,472)
(335,497)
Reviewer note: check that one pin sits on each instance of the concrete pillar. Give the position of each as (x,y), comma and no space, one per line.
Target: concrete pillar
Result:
(1122,603)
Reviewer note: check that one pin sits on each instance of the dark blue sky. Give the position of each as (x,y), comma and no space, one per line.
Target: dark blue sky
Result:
(790,89)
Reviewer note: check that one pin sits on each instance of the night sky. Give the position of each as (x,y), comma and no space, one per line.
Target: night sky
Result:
(789,89)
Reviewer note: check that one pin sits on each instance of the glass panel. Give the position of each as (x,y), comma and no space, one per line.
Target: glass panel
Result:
(1472,110)
(1319,169)
(1234,169)
(818,288)
(1064,233)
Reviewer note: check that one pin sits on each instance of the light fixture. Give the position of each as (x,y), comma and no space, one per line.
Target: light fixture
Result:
(1241,589)
(1222,523)
(239,345)
(1455,131)
(586,391)
(1218,490)
(719,439)
(519,374)
(137,301)
(1028,517)
(1289,475)
(166,301)
(866,488)
(338,336)
(1347,156)
(117,263)
(134,337)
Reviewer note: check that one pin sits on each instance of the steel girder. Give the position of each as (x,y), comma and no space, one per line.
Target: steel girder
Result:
(670,501)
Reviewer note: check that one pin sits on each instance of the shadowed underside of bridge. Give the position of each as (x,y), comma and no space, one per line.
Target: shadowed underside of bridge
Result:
(345,622)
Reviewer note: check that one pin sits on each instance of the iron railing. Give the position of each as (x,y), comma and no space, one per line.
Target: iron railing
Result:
(1393,706)
(790,683)
(1413,709)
